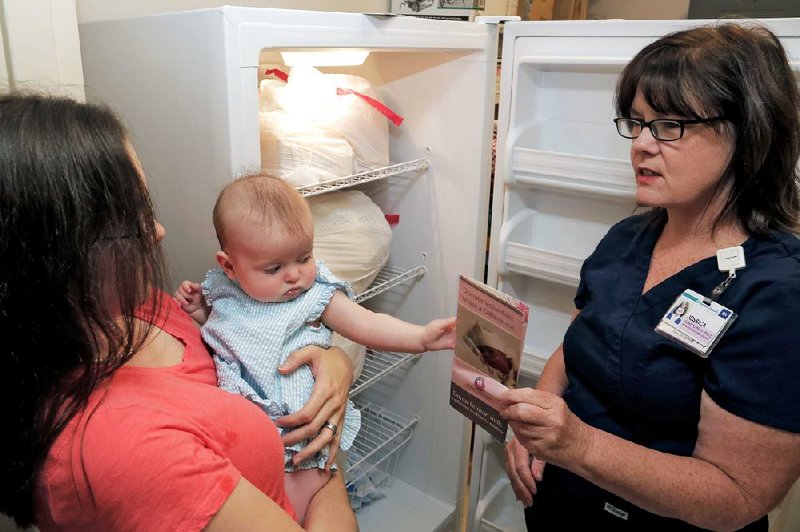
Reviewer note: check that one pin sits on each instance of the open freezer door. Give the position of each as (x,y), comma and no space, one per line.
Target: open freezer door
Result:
(563,178)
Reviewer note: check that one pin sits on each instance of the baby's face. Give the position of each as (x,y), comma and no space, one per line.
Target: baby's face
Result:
(269,264)
(495,358)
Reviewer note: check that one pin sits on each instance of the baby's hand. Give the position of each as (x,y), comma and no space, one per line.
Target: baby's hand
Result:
(189,296)
(440,334)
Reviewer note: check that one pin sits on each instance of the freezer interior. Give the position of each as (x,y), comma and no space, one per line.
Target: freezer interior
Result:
(425,449)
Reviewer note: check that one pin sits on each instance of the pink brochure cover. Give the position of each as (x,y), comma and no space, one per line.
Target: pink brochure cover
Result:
(490,333)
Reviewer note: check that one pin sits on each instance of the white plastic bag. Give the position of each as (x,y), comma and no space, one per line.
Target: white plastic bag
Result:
(363,126)
(351,235)
(310,106)
(300,153)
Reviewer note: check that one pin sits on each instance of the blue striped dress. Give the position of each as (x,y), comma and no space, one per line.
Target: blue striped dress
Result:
(250,339)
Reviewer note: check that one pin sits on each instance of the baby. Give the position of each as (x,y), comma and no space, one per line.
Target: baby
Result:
(269,297)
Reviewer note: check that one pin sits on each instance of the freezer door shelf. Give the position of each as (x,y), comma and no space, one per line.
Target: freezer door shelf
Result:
(542,264)
(417,165)
(533,363)
(551,193)
(606,178)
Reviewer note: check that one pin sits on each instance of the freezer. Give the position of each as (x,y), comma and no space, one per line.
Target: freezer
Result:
(188,86)
(188,83)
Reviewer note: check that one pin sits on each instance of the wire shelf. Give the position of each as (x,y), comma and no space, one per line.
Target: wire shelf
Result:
(387,279)
(364,177)
(383,433)
(377,365)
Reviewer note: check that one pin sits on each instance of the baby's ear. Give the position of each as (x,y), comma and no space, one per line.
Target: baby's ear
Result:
(225,263)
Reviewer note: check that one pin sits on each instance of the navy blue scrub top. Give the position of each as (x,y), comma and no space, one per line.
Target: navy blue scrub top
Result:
(629,381)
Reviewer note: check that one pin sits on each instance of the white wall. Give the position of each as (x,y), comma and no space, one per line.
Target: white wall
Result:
(40,46)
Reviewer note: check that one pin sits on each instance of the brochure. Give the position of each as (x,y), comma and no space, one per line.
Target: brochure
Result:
(490,333)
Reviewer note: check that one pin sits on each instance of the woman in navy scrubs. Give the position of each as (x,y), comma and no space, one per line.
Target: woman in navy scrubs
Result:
(637,430)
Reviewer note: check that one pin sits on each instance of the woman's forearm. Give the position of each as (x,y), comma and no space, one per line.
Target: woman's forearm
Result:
(330,510)
(684,488)
(554,374)
(738,471)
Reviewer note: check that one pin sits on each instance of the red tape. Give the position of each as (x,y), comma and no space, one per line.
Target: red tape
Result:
(280,74)
(393,117)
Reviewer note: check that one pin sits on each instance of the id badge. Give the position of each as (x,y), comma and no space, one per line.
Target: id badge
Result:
(695,322)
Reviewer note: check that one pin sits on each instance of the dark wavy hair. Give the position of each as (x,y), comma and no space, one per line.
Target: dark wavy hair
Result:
(740,72)
(79,255)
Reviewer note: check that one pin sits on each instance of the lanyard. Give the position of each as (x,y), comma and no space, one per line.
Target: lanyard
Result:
(721,287)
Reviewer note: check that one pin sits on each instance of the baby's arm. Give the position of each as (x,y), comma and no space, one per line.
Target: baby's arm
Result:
(382,331)
(191,299)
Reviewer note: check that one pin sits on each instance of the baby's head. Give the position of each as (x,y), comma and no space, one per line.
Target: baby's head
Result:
(266,238)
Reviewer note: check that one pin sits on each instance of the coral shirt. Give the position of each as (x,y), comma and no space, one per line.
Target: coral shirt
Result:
(159,448)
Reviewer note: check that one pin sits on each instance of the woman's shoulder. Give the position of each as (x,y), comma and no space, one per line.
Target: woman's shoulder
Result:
(786,243)
(754,371)
(637,223)
(625,236)
(774,257)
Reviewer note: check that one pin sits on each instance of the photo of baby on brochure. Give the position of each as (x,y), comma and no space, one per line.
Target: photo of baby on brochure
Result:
(490,330)
(486,348)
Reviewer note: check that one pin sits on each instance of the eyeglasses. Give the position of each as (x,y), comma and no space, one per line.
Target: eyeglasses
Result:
(666,130)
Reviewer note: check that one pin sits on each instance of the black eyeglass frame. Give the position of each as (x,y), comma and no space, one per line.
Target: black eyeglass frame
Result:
(649,125)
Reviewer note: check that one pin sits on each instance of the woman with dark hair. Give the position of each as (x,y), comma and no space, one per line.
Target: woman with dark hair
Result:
(111,414)
(676,314)
(698,428)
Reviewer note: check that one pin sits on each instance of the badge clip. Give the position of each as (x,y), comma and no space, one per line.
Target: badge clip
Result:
(728,260)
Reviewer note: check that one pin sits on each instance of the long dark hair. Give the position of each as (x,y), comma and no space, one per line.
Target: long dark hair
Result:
(740,72)
(79,255)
